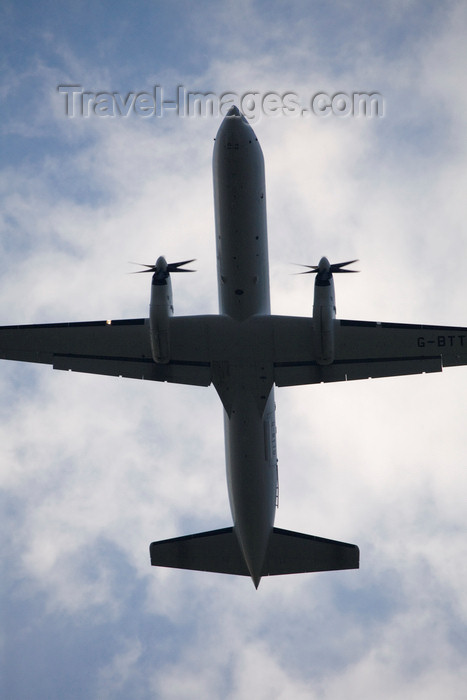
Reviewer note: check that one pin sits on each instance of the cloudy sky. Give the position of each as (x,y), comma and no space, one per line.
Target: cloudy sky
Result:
(93,468)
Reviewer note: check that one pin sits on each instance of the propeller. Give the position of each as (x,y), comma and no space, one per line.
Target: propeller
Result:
(162,265)
(324,269)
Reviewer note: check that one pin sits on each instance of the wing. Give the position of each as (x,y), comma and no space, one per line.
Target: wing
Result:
(365,349)
(117,348)
(200,345)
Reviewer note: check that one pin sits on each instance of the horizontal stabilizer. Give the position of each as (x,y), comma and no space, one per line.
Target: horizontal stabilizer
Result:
(288,553)
(216,550)
(294,553)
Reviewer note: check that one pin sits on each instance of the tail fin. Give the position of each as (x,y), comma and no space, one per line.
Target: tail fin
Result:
(288,553)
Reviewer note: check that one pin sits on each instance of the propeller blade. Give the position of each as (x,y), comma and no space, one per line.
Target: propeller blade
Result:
(344,270)
(151,268)
(175,267)
(336,267)
(312,268)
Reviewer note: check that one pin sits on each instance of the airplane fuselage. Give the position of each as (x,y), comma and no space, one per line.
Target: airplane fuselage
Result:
(243,284)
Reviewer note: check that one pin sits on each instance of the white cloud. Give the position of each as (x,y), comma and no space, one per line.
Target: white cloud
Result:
(94,469)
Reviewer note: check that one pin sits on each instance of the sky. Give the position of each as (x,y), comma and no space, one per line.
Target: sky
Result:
(92,469)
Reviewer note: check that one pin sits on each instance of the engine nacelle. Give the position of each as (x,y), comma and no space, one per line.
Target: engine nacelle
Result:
(160,311)
(324,314)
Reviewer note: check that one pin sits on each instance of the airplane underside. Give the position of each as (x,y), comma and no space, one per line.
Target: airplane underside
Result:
(243,351)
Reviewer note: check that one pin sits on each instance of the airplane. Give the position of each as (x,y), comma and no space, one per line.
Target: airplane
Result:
(243,351)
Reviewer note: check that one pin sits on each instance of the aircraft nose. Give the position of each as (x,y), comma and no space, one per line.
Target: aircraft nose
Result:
(235,128)
(235,112)
(236,146)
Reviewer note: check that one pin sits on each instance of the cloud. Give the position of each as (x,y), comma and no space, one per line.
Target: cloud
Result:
(115,676)
(93,468)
